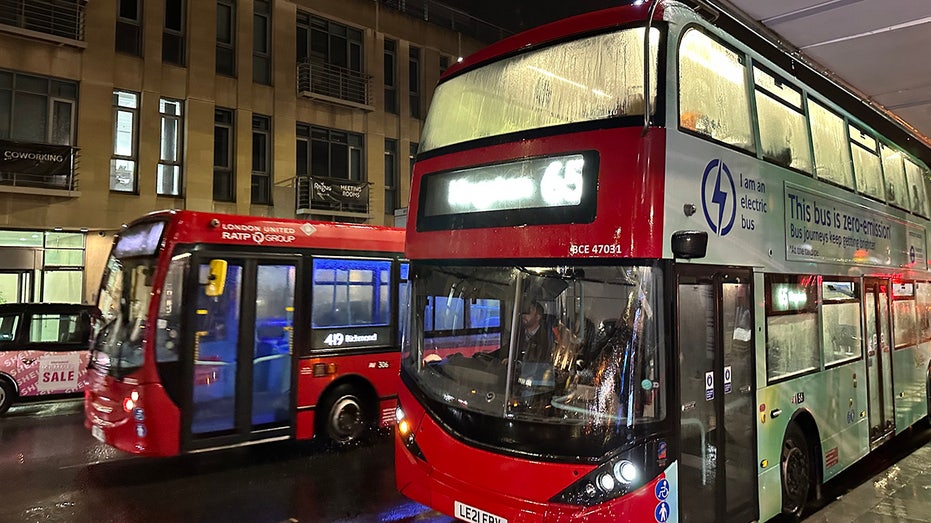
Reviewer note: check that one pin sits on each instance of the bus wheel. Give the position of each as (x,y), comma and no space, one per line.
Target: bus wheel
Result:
(347,418)
(7,393)
(796,471)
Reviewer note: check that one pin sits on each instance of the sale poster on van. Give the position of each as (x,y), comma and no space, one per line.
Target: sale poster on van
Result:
(58,373)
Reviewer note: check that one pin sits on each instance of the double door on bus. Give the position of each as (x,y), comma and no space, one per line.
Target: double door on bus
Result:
(715,332)
(241,372)
(876,309)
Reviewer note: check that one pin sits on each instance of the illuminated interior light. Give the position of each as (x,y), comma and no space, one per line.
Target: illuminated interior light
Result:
(555,76)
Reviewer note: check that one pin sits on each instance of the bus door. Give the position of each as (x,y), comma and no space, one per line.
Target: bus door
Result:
(878,359)
(717,467)
(242,330)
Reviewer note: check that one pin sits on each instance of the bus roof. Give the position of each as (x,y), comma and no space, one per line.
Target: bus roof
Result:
(554,31)
(809,73)
(206,227)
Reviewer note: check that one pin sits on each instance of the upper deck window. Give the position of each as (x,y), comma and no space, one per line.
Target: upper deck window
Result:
(783,130)
(917,178)
(828,135)
(576,81)
(894,172)
(866,164)
(712,91)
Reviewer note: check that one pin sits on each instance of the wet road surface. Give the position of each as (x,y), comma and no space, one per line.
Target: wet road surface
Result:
(52,470)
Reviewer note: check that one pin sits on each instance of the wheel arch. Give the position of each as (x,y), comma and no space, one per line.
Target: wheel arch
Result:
(805,420)
(360,384)
(7,377)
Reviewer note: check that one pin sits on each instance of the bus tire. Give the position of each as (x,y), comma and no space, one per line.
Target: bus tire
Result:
(346,416)
(796,469)
(7,395)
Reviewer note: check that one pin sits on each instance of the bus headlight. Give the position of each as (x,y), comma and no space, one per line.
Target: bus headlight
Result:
(625,472)
(405,432)
(613,479)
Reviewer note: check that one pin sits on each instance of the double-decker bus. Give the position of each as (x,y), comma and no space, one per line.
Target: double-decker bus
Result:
(221,330)
(726,254)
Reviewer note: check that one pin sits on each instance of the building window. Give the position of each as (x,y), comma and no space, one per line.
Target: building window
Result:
(413,157)
(173,35)
(329,153)
(444,63)
(261,168)
(124,162)
(391,73)
(35,109)
(223,186)
(320,40)
(226,37)
(129,27)
(392,180)
(168,178)
(414,81)
(261,43)
(63,268)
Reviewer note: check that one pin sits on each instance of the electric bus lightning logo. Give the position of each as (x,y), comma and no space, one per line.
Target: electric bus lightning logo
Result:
(719,198)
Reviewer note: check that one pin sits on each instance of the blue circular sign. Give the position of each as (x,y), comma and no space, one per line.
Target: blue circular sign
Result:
(662,512)
(662,489)
(719,197)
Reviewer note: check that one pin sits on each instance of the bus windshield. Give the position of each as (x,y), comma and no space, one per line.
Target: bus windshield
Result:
(124,303)
(582,80)
(571,349)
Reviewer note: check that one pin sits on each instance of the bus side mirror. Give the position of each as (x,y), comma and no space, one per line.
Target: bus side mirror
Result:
(216,279)
(689,244)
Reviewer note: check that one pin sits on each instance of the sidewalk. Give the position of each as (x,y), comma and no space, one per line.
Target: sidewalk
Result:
(901,493)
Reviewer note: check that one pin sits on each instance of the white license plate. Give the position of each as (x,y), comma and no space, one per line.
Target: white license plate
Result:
(475,515)
(97,432)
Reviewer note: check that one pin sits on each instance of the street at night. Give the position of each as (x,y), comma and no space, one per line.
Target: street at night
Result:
(54,471)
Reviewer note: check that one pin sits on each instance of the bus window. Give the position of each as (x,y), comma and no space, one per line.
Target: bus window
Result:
(351,292)
(923,310)
(894,172)
(588,79)
(791,325)
(832,163)
(168,324)
(712,91)
(840,321)
(866,163)
(783,133)
(917,179)
(904,323)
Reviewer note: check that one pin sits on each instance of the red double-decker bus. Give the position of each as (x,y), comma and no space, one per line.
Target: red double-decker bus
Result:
(661,270)
(219,330)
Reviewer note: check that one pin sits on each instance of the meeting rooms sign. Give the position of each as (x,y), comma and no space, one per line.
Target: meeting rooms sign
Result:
(822,228)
